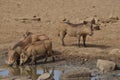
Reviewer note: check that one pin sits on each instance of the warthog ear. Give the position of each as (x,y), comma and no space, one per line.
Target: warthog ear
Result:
(27,32)
(64,20)
(85,22)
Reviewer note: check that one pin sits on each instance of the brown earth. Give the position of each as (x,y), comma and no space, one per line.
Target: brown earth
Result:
(51,13)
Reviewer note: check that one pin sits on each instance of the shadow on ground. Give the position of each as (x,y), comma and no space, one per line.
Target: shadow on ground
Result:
(91,46)
(41,59)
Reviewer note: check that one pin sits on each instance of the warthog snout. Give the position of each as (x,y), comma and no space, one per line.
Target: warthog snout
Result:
(11,60)
(10,63)
(90,34)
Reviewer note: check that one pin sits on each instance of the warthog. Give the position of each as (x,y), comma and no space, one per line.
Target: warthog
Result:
(35,37)
(19,46)
(29,38)
(41,48)
(79,30)
(12,58)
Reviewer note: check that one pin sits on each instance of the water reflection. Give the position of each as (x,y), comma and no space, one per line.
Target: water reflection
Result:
(33,72)
(4,73)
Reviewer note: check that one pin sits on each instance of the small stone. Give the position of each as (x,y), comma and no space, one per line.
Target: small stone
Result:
(44,76)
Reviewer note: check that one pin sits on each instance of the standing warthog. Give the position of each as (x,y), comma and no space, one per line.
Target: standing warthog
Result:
(79,30)
(41,48)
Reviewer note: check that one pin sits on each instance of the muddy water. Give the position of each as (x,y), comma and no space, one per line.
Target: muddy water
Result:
(32,72)
(4,72)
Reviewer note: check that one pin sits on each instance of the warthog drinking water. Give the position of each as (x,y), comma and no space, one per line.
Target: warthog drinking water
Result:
(41,48)
(79,30)
(16,50)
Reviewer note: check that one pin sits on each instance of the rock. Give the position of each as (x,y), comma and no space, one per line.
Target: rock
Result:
(44,76)
(81,73)
(105,65)
(115,52)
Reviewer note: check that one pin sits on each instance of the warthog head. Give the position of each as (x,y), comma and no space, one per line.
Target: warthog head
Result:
(23,57)
(13,57)
(26,34)
(89,28)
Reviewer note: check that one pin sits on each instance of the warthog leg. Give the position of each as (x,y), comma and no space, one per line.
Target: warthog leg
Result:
(46,56)
(18,61)
(63,34)
(33,60)
(84,40)
(79,36)
(53,55)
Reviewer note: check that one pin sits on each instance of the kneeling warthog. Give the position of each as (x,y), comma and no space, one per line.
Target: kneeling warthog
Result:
(79,30)
(41,48)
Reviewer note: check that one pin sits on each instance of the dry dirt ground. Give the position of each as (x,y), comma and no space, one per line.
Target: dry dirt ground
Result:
(51,13)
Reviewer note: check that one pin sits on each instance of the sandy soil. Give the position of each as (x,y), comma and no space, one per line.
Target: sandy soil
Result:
(51,13)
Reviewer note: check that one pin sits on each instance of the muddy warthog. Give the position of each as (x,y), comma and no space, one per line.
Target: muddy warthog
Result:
(41,48)
(79,30)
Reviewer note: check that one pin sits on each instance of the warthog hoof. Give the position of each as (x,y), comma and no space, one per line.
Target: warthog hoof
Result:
(78,45)
(63,44)
(53,59)
(85,46)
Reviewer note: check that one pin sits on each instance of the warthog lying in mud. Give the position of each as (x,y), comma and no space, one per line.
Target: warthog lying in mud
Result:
(41,48)
(79,30)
